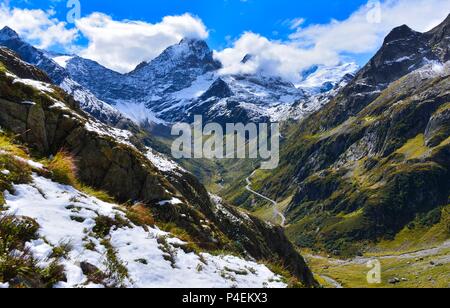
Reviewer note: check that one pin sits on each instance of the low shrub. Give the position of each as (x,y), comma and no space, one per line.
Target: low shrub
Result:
(63,168)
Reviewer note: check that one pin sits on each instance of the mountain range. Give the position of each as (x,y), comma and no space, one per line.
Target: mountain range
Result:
(183,81)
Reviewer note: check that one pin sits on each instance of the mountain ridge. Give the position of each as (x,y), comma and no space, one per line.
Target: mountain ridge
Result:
(375,159)
(169,88)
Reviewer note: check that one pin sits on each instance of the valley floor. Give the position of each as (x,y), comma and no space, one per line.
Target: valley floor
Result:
(428,268)
(414,259)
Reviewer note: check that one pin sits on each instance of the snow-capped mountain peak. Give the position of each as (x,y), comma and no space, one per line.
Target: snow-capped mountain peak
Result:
(8,34)
(189,54)
(191,47)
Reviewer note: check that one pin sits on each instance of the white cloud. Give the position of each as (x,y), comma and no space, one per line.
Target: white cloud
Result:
(294,23)
(37,26)
(122,45)
(363,32)
(360,34)
(271,57)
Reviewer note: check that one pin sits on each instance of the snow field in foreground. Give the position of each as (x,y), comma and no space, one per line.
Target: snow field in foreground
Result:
(67,216)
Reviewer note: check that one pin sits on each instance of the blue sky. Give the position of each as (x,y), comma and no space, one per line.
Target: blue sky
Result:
(225,18)
(284,36)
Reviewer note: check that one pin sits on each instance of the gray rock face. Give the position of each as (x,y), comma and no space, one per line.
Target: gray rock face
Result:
(440,40)
(218,89)
(438,128)
(102,82)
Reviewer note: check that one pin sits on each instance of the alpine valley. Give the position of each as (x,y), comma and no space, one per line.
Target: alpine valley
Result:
(90,197)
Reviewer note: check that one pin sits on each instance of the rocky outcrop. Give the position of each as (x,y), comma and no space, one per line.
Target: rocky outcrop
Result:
(17,66)
(438,128)
(218,89)
(102,162)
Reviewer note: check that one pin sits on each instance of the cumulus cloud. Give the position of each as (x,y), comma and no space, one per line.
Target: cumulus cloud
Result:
(277,58)
(37,26)
(365,29)
(325,44)
(122,45)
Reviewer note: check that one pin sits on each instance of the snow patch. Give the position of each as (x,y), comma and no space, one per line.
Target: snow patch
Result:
(138,112)
(28,103)
(173,201)
(29,162)
(327,74)
(198,87)
(162,163)
(41,86)
(60,105)
(119,135)
(63,60)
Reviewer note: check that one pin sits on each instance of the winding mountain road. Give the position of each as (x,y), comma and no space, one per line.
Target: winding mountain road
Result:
(332,282)
(276,212)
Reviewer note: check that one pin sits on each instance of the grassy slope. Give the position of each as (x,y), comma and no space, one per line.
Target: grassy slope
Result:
(347,199)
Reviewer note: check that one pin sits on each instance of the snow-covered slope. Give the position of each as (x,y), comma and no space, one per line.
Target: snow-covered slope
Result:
(91,104)
(166,83)
(324,78)
(151,257)
(321,86)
